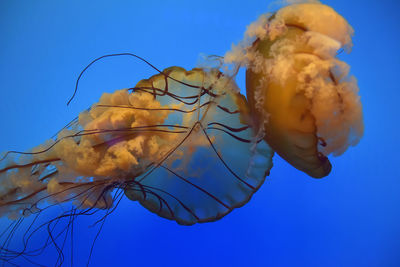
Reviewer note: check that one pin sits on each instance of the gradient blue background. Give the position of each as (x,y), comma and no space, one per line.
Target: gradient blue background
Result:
(350,218)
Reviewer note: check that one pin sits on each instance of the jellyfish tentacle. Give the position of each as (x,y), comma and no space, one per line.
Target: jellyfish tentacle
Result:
(231,134)
(102,57)
(118,55)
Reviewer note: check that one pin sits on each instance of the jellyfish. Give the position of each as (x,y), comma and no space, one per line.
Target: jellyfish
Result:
(180,143)
(299,92)
(187,145)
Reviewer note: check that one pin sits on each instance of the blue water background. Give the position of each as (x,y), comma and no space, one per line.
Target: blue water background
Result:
(350,218)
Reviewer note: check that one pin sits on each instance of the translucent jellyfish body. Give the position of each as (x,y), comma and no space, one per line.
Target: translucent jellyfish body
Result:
(303,98)
(217,164)
(179,143)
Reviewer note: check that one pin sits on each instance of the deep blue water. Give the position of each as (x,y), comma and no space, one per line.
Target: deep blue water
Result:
(350,218)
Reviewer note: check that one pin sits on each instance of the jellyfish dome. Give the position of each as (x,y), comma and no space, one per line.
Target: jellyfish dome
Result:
(301,94)
(216,163)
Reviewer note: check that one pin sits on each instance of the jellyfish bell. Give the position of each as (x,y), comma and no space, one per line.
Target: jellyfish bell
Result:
(180,143)
(216,164)
(301,95)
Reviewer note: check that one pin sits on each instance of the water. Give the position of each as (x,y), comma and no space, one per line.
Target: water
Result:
(349,218)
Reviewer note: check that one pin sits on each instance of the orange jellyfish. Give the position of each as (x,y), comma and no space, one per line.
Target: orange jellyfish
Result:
(301,94)
(180,143)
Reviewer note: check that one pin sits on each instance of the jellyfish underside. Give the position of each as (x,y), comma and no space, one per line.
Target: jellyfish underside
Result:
(172,143)
(180,143)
